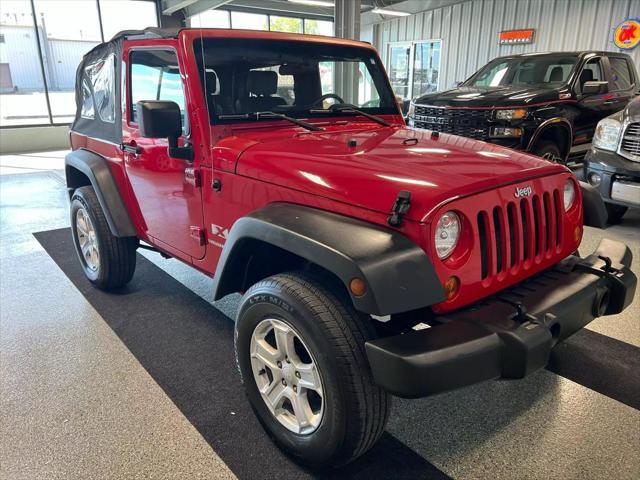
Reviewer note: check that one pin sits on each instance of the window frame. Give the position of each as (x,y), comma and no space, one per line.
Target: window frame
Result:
(604,71)
(610,73)
(412,44)
(186,127)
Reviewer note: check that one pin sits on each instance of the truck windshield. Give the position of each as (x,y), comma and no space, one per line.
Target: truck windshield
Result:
(241,77)
(548,70)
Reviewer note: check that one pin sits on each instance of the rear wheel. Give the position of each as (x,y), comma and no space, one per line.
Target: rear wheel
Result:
(615,212)
(107,261)
(300,352)
(548,150)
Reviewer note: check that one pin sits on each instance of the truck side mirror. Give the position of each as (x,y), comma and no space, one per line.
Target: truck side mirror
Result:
(162,119)
(594,87)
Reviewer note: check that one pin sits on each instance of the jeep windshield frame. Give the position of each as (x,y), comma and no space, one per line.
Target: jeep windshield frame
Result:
(534,70)
(241,77)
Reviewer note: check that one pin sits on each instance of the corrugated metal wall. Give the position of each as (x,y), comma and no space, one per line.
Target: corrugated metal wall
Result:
(65,56)
(61,58)
(20,51)
(469,30)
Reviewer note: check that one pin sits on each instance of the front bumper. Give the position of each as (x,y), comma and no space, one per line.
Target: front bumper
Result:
(619,177)
(510,334)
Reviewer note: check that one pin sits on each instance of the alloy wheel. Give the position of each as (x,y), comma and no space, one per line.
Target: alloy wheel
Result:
(87,240)
(287,376)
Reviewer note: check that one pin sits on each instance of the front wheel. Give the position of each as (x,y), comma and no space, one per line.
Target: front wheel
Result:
(548,150)
(108,261)
(300,352)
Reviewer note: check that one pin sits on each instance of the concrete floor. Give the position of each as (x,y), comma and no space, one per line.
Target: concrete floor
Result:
(75,403)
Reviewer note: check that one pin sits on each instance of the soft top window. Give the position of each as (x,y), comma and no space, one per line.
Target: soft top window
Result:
(98,89)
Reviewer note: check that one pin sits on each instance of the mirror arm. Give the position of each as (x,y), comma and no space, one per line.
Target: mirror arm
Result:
(184,153)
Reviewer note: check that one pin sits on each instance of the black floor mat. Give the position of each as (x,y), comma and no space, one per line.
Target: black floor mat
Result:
(601,363)
(187,347)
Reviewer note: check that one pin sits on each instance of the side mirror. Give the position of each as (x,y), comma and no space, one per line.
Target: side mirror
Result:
(595,87)
(162,119)
(459,82)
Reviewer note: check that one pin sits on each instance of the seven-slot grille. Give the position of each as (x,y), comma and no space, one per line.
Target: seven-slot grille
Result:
(464,122)
(631,142)
(518,233)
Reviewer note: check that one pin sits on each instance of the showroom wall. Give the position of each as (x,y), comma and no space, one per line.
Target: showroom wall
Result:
(468,31)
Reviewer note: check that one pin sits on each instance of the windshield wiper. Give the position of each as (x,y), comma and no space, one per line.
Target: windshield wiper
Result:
(261,115)
(349,108)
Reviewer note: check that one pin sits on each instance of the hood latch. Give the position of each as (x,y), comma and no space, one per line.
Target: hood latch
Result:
(400,208)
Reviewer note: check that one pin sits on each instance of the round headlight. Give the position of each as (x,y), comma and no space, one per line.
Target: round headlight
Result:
(569,194)
(447,234)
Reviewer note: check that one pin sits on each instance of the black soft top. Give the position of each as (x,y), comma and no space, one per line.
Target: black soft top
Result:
(98,85)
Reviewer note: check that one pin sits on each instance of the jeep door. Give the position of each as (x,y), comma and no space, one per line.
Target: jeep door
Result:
(165,187)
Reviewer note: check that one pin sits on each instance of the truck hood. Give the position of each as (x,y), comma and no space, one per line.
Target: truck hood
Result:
(475,97)
(368,166)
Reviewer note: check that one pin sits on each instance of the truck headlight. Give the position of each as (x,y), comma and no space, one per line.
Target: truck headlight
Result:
(412,110)
(515,114)
(569,194)
(447,234)
(607,134)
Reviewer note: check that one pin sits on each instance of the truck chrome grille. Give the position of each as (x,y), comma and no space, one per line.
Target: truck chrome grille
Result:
(472,123)
(524,231)
(630,146)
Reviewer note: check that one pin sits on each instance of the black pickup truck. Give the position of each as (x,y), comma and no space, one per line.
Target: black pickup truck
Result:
(545,103)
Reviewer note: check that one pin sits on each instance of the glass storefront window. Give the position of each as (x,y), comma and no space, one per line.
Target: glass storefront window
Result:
(249,21)
(318,27)
(22,94)
(285,24)
(63,45)
(211,19)
(426,68)
(118,15)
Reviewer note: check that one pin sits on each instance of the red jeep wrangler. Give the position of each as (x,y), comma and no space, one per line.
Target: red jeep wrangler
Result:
(281,166)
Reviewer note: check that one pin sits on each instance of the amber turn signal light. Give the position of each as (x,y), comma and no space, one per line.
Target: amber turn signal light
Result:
(451,287)
(357,287)
(577,234)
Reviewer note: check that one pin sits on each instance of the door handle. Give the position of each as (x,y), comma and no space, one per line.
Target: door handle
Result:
(129,148)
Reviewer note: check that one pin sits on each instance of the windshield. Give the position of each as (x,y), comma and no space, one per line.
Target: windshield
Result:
(299,79)
(548,70)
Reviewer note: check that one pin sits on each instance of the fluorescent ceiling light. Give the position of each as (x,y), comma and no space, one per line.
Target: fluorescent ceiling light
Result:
(393,13)
(313,3)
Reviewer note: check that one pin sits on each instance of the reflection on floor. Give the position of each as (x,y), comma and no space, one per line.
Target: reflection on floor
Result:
(76,403)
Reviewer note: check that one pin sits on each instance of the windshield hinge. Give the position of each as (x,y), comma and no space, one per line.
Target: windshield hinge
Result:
(400,208)
(198,234)
(192,177)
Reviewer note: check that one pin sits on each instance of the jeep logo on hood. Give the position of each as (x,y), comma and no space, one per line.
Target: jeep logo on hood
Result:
(523,191)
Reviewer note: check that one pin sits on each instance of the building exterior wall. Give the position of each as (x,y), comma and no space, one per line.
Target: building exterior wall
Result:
(61,58)
(20,51)
(469,30)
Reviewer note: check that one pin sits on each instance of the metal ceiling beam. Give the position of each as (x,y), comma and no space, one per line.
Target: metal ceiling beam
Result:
(172,6)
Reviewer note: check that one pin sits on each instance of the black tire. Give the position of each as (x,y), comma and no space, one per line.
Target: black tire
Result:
(615,212)
(548,150)
(355,408)
(117,256)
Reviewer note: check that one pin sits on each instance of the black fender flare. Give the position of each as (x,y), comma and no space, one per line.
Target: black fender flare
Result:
(96,169)
(555,122)
(398,274)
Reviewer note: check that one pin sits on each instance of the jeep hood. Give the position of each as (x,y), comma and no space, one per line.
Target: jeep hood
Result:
(504,96)
(367,167)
